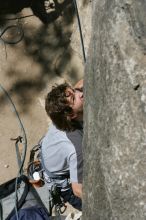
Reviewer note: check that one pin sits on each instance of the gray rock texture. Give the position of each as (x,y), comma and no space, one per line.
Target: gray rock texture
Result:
(115,113)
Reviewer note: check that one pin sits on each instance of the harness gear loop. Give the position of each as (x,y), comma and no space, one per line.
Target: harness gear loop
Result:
(60,206)
(35,173)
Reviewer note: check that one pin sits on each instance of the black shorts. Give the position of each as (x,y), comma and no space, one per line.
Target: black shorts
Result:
(69,197)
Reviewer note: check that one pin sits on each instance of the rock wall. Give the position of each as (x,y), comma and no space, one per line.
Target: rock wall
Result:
(115,113)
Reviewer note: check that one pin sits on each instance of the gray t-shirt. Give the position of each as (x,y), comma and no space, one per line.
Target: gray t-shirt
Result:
(62,154)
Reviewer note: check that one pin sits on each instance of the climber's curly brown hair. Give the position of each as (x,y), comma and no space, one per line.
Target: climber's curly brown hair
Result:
(58,109)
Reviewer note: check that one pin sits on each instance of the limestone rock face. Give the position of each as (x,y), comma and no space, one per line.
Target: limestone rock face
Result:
(115,113)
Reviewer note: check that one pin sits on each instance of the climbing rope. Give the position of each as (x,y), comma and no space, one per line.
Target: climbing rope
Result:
(16,27)
(24,142)
(19,31)
(80,30)
(3,36)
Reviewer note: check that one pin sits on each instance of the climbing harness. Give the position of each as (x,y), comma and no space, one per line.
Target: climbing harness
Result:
(35,170)
(58,202)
